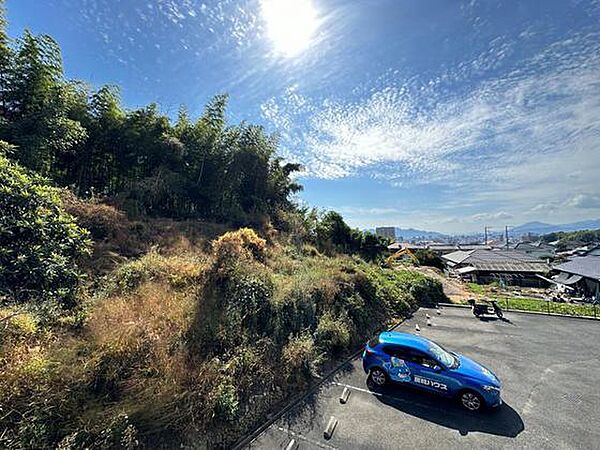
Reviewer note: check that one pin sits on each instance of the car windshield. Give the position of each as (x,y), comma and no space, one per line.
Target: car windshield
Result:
(443,356)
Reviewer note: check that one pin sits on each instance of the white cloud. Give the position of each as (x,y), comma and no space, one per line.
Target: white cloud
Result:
(366,211)
(493,216)
(584,201)
(524,138)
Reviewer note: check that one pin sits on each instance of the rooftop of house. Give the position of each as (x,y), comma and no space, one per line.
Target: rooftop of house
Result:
(497,261)
(585,266)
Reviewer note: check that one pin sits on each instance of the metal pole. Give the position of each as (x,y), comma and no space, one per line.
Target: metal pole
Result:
(548,305)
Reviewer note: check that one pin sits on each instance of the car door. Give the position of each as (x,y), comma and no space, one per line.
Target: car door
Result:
(428,374)
(397,366)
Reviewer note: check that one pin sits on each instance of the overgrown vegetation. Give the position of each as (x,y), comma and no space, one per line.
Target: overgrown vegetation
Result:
(427,257)
(187,328)
(175,346)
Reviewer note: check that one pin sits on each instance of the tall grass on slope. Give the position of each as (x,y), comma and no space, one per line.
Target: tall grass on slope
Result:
(194,347)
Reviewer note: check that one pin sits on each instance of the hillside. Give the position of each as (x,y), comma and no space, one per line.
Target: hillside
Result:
(183,345)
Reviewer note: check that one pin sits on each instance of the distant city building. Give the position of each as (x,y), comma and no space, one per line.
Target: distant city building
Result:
(386,232)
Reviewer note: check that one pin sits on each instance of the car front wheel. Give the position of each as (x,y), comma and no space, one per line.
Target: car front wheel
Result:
(471,401)
(378,377)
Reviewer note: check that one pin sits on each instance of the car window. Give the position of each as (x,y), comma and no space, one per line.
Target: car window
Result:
(422,359)
(388,349)
(443,355)
(395,351)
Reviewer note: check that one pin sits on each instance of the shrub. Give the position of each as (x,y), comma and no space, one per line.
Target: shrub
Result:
(179,271)
(333,334)
(247,298)
(294,311)
(17,324)
(401,291)
(243,243)
(427,257)
(227,404)
(298,358)
(40,244)
(102,221)
(119,432)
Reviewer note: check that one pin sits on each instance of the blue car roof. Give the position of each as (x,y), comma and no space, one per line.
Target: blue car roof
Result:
(405,339)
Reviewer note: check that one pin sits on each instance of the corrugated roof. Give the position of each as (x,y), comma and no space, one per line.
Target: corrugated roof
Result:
(511,266)
(458,256)
(498,261)
(586,266)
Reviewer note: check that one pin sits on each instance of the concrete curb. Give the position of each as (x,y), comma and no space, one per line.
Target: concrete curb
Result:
(248,439)
(538,313)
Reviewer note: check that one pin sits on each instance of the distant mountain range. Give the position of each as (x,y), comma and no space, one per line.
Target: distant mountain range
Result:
(409,234)
(545,228)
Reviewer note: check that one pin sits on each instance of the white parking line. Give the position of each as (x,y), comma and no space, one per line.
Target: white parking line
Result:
(305,439)
(349,386)
(379,394)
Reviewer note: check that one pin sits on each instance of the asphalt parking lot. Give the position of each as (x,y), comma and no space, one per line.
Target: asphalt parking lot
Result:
(549,366)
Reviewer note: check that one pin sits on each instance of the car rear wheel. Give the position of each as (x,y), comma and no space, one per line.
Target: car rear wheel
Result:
(378,377)
(471,400)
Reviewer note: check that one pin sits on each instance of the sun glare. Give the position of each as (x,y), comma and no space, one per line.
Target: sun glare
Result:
(291,24)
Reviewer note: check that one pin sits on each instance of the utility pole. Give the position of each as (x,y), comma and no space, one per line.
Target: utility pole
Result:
(506,234)
(486,234)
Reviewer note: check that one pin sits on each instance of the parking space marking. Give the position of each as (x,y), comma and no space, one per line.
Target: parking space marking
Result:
(366,391)
(305,439)
(379,394)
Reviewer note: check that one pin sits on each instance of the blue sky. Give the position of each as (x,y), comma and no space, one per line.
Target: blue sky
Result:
(436,114)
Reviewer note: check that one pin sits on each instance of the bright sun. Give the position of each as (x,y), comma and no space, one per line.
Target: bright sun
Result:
(290,24)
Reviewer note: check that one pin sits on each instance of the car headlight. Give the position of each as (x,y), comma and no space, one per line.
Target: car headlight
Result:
(492,389)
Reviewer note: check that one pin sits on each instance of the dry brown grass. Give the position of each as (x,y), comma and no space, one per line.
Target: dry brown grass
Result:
(142,368)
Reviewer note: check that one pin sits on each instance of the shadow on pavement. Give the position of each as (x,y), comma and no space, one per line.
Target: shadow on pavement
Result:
(494,319)
(500,421)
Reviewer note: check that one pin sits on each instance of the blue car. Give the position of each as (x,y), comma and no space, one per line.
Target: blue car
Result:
(416,361)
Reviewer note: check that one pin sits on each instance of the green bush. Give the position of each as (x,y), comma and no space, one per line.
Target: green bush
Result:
(426,257)
(227,404)
(40,244)
(333,334)
(298,358)
(247,300)
(402,291)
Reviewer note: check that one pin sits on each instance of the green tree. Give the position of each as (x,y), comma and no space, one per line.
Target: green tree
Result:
(39,243)
(140,160)
(39,102)
(6,56)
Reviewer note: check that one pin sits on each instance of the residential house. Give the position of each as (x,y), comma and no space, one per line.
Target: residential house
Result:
(508,267)
(539,250)
(582,274)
